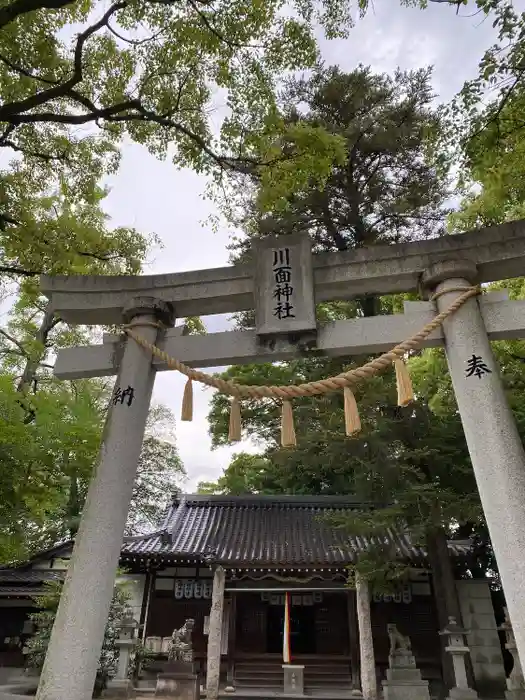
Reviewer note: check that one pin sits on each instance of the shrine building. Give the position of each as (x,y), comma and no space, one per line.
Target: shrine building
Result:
(268,547)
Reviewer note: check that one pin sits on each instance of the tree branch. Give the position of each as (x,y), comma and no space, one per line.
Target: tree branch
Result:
(166,120)
(15,9)
(21,7)
(26,73)
(73,119)
(14,341)
(494,118)
(132,110)
(48,323)
(9,112)
(18,271)
(6,143)
(135,42)
(212,29)
(102,258)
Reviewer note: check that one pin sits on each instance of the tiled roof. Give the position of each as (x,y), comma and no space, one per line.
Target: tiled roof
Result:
(21,591)
(16,576)
(264,530)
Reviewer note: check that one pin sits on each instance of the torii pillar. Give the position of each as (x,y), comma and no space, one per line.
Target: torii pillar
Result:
(76,639)
(493,441)
(496,452)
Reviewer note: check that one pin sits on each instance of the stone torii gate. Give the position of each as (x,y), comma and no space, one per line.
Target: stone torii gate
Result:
(445,265)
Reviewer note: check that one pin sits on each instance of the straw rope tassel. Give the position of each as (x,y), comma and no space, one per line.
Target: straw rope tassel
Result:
(316,388)
(352,420)
(287,426)
(186,413)
(234,431)
(405,393)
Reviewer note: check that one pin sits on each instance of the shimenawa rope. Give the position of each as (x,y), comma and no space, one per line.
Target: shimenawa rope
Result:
(323,386)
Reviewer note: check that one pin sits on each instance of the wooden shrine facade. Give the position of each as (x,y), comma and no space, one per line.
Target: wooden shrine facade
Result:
(267,546)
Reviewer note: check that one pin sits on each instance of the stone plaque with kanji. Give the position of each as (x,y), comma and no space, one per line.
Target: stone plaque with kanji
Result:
(284,289)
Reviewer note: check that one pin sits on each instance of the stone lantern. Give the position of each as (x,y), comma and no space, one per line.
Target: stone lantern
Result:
(120,685)
(457,648)
(515,682)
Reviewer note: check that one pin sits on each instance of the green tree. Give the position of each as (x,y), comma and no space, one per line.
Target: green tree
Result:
(65,232)
(44,485)
(491,179)
(55,235)
(500,72)
(391,184)
(160,472)
(391,188)
(246,473)
(46,465)
(79,76)
(45,617)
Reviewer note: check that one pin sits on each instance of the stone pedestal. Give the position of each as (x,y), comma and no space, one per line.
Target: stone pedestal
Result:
(515,682)
(461,691)
(178,680)
(404,680)
(482,638)
(462,694)
(119,688)
(293,679)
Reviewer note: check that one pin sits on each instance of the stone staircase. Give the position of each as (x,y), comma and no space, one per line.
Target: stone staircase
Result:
(267,673)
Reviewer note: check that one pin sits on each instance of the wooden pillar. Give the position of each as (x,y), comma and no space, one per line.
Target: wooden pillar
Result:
(353,633)
(213,666)
(146,602)
(366,642)
(232,622)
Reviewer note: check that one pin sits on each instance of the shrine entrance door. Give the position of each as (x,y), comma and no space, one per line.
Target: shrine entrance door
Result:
(302,629)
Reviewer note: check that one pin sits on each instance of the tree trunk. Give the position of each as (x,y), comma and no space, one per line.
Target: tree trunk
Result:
(29,374)
(73,506)
(369,305)
(446,597)
(41,336)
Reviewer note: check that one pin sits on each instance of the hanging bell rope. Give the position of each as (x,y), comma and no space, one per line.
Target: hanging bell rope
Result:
(323,386)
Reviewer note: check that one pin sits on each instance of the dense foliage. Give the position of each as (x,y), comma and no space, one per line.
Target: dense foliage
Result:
(354,158)
(79,76)
(45,617)
(46,464)
(50,430)
(391,184)
(389,189)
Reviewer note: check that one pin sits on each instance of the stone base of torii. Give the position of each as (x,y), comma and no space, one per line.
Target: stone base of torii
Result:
(449,263)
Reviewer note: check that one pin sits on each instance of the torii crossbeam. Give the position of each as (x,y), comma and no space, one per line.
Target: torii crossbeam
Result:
(449,263)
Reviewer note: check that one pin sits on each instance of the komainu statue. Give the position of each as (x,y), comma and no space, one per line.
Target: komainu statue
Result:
(398,642)
(181,647)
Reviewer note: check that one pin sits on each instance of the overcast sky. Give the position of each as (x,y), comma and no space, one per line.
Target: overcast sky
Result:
(155,197)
